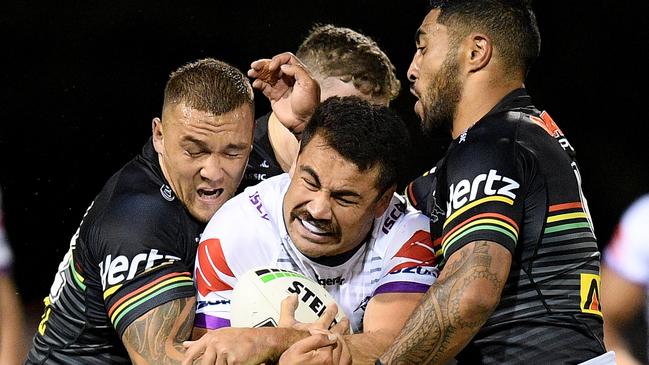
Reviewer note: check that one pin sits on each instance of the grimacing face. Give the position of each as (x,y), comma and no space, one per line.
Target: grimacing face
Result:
(435,75)
(203,156)
(330,205)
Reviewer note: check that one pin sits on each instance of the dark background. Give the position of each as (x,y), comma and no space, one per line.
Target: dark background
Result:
(81,81)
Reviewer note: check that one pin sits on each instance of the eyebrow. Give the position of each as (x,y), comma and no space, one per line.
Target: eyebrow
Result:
(229,146)
(335,193)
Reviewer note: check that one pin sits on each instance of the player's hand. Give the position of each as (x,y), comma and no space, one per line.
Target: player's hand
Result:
(321,348)
(287,83)
(327,320)
(226,346)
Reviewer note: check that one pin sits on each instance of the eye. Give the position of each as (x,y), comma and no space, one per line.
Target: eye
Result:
(194,153)
(421,49)
(310,184)
(233,155)
(344,202)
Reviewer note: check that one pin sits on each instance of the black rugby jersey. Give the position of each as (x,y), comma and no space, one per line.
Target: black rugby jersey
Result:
(262,163)
(134,250)
(512,178)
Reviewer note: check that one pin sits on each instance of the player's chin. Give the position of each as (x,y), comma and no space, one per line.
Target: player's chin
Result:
(317,247)
(203,211)
(419,109)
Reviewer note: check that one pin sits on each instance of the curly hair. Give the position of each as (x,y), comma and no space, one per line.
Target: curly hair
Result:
(364,134)
(329,50)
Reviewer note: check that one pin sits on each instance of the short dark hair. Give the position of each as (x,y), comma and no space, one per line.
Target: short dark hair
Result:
(365,134)
(510,23)
(209,85)
(329,50)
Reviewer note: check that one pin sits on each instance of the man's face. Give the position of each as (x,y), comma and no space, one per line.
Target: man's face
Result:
(330,205)
(435,75)
(203,156)
(336,86)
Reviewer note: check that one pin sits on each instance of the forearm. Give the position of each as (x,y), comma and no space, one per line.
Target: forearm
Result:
(454,308)
(365,348)
(11,324)
(157,337)
(277,340)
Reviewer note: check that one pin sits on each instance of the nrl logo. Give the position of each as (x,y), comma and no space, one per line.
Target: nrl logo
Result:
(166,192)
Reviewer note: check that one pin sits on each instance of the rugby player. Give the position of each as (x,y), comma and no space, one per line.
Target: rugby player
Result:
(337,221)
(124,291)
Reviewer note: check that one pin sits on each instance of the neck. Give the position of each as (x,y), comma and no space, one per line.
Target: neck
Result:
(477,100)
(285,145)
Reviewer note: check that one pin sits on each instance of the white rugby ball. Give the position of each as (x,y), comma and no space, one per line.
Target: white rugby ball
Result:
(257,297)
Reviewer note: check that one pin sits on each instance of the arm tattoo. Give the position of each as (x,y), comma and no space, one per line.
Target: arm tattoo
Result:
(157,336)
(441,326)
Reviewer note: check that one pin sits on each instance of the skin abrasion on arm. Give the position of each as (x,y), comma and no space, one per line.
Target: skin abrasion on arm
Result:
(157,336)
(455,307)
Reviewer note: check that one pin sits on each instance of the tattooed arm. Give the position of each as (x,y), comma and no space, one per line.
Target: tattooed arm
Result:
(157,336)
(455,307)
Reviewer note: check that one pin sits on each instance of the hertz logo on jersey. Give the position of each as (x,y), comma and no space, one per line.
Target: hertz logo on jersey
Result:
(466,191)
(114,270)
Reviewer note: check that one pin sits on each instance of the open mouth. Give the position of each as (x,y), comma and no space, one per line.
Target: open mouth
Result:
(414,92)
(210,194)
(313,228)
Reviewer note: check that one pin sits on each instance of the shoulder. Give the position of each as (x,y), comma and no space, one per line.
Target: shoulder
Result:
(132,211)
(399,224)
(246,224)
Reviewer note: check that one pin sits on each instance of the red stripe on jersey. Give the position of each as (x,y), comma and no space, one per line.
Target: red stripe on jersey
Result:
(411,195)
(419,248)
(143,288)
(216,254)
(546,122)
(483,215)
(211,250)
(564,206)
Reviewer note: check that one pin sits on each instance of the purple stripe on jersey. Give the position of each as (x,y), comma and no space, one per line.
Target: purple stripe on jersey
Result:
(402,287)
(203,320)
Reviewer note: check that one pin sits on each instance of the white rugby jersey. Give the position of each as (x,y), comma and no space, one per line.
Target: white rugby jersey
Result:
(628,251)
(249,231)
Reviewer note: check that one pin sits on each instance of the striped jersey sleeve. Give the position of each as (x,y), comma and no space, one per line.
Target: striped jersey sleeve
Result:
(483,199)
(143,267)
(411,257)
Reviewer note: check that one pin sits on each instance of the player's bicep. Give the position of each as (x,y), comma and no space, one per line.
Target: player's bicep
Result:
(476,273)
(388,312)
(156,337)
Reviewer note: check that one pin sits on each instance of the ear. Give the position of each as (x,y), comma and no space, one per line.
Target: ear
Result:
(384,201)
(156,131)
(479,51)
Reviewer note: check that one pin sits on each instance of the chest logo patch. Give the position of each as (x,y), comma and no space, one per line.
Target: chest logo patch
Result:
(166,192)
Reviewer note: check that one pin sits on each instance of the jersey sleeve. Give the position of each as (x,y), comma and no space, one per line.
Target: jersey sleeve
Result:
(410,263)
(628,251)
(484,200)
(142,257)
(231,245)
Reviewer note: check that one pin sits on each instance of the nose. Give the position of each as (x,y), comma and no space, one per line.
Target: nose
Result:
(212,170)
(413,70)
(319,207)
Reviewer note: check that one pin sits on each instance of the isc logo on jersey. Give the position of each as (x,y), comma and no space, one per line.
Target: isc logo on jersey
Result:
(491,183)
(115,270)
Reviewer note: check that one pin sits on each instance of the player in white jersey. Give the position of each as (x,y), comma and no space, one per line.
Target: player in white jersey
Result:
(337,221)
(625,279)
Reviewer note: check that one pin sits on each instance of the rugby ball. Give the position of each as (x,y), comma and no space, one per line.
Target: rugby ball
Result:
(257,297)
